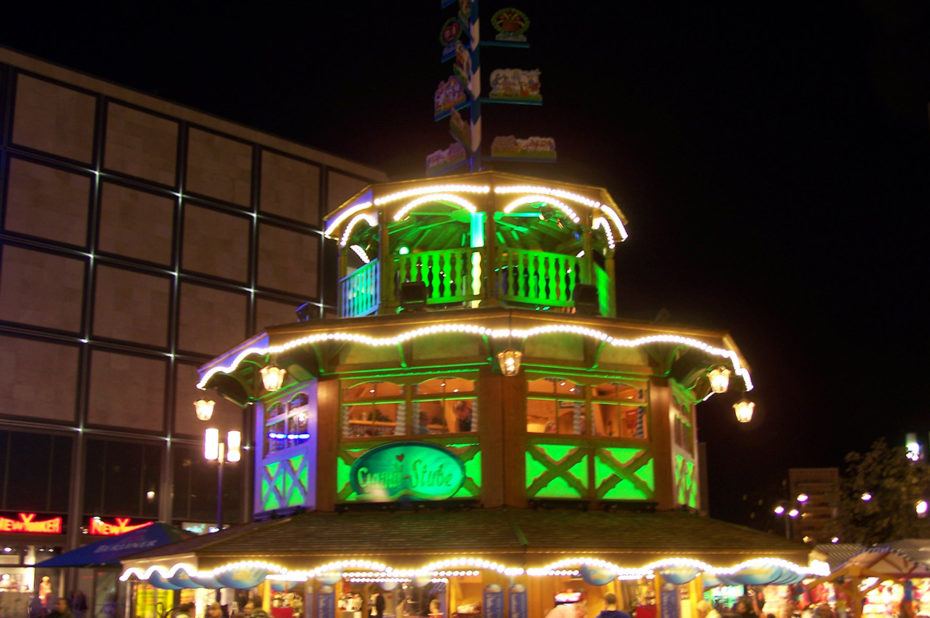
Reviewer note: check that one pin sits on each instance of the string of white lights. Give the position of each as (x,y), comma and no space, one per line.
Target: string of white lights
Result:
(366,570)
(536,199)
(481,331)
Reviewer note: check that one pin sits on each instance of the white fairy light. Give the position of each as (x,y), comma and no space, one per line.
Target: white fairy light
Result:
(450,188)
(482,331)
(534,199)
(435,197)
(602,222)
(360,253)
(368,217)
(345,214)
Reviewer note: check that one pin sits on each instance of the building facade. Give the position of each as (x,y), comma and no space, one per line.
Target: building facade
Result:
(816,522)
(137,238)
(476,422)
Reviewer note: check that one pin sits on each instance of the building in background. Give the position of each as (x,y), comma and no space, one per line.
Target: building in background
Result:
(138,238)
(819,511)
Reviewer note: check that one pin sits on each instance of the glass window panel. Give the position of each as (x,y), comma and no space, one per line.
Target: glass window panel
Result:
(301,399)
(445,386)
(61,473)
(29,474)
(446,416)
(555,386)
(122,485)
(618,391)
(430,417)
(540,415)
(372,390)
(613,413)
(194,485)
(274,411)
(376,419)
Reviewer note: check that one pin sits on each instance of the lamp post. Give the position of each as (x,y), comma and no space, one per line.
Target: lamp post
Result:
(221,453)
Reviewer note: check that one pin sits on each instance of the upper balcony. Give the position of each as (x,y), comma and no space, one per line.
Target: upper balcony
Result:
(480,239)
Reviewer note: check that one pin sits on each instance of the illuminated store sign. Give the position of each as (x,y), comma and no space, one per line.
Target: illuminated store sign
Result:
(27,523)
(407,470)
(122,526)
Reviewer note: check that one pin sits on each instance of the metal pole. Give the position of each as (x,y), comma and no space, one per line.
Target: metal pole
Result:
(219,487)
(787,526)
(221,457)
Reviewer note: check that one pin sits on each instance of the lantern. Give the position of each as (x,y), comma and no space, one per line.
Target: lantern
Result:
(719,379)
(743,410)
(272,377)
(509,361)
(204,409)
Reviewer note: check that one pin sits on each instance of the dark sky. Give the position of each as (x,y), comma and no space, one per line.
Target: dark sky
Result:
(773,161)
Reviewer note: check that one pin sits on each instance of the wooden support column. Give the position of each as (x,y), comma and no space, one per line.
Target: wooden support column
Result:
(491,433)
(489,254)
(386,283)
(660,432)
(327,443)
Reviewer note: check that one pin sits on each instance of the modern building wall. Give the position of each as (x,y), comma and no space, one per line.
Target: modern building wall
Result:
(138,238)
(822,486)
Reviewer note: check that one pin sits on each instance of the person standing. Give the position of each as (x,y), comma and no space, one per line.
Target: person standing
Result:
(45,591)
(78,603)
(61,609)
(610,608)
(706,610)
(376,605)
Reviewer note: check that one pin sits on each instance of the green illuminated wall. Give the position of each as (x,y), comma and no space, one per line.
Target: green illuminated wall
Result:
(685,481)
(563,471)
(286,483)
(468,452)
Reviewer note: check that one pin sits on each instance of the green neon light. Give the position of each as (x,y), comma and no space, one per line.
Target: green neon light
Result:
(410,470)
(558,487)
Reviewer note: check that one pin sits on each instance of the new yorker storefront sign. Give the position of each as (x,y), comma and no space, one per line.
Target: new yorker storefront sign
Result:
(30,524)
(407,471)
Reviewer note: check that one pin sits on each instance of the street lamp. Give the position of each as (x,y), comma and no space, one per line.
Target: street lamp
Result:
(204,409)
(221,453)
(509,361)
(272,377)
(743,409)
(719,378)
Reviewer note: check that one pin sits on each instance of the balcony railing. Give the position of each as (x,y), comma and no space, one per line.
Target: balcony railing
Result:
(450,275)
(360,292)
(457,276)
(537,277)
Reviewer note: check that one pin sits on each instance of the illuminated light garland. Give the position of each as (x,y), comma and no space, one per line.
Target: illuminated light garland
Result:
(602,222)
(678,562)
(471,329)
(373,572)
(611,213)
(435,197)
(360,253)
(399,195)
(613,216)
(345,214)
(534,199)
(765,562)
(368,217)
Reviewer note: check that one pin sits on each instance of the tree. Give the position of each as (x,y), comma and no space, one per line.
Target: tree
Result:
(878,495)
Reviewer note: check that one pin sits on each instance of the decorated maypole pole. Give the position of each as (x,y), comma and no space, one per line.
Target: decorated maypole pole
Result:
(460,37)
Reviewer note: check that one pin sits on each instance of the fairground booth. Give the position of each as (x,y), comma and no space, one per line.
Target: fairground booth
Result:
(476,432)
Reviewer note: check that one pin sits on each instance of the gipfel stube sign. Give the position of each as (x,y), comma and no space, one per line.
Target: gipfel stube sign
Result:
(407,471)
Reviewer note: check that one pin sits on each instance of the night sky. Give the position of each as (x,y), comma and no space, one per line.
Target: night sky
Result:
(773,161)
